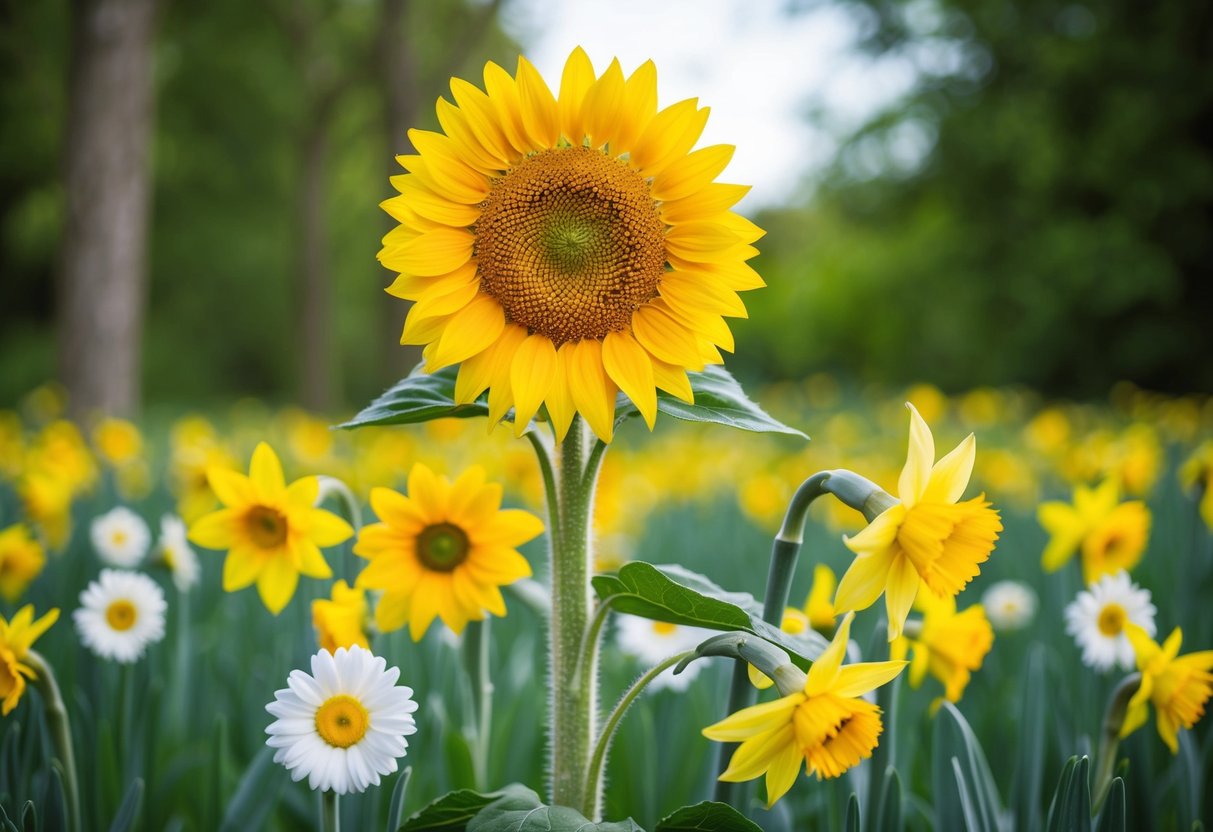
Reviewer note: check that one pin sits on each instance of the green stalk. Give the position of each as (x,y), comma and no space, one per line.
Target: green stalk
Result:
(61,732)
(475,650)
(1109,740)
(593,779)
(330,813)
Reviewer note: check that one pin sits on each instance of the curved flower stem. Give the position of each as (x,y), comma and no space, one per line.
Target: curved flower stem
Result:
(475,649)
(593,778)
(589,644)
(1109,740)
(333,487)
(61,732)
(543,453)
(330,812)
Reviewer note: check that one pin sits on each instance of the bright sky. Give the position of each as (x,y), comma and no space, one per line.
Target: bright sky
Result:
(758,69)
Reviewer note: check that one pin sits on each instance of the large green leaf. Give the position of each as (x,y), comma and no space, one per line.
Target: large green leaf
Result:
(965,794)
(450,813)
(513,809)
(1030,763)
(851,822)
(719,400)
(707,817)
(1113,818)
(1071,807)
(674,594)
(418,397)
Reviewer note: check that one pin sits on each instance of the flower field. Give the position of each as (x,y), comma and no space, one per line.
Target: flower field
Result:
(169,723)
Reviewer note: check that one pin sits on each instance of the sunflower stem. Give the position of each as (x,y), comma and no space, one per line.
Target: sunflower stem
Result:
(593,778)
(475,650)
(330,812)
(61,732)
(1109,740)
(574,695)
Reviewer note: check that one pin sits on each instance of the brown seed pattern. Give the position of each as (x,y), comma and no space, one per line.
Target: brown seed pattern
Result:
(570,244)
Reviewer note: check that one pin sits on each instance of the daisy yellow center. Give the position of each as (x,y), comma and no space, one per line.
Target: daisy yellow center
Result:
(1112,619)
(266,527)
(342,721)
(118,538)
(121,615)
(442,546)
(664,628)
(570,244)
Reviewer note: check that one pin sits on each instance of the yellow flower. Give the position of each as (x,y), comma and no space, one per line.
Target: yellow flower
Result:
(16,638)
(442,551)
(117,441)
(563,247)
(47,501)
(1111,535)
(818,607)
(928,538)
(1197,474)
(272,531)
(21,559)
(1178,685)
(340,622)
(949,644)
(827,727)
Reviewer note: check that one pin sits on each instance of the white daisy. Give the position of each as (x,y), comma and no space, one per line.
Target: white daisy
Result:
(120,537)
(343,726)
(122,613)
(1010,605)
(1096,619)
(653,642)
(175,552)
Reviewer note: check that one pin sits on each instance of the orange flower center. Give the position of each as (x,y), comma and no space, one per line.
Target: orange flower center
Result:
(266,527)
(570,244)
(121,615)
(442,546)
(342,721)
(1112,620)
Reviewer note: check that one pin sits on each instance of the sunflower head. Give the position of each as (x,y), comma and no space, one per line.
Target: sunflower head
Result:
(565,247)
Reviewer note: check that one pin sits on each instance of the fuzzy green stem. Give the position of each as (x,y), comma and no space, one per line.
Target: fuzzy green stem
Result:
(589,644)
(330,812)
(61,732)
(593,779)
(574,700)
(1109,740)
(475,651)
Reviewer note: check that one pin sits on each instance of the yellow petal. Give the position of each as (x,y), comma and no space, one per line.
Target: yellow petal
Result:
(539,115)
(327,529)
(755,756)
(672,380)
(592,390)
(429,491)
(265,471)
(561,408)
(824,671)
(456,124)
(433,253)
(311,562)
(701,290)
(628,365)
(899,594)
(781,774)
(276,583)
(576,80)
(950,476)
(705,204)
(666,338)
(857,679)
(670,135)
(692,172)
(431,206)
(919,459)
(231,487)
(215,530)
(479,372)
(482,119)
(603,104)
(392,611)
(863,581)
(469,331)
(639,106)
(240,568)
(503,93)
(757,719)
(531,376)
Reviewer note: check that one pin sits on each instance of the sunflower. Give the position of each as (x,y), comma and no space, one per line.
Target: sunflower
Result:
(443,551)
(565,247)
(272,531)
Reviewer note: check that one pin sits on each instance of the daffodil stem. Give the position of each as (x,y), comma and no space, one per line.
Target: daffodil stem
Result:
(1109,740)
(61,732)
(333,487)
(476,663)
(593,777)
(574,694)
(330,812)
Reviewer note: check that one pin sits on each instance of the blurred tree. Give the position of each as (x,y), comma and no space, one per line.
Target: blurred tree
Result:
(1038,210)
(106,181)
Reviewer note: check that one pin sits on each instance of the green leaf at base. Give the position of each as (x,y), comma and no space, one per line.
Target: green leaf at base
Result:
(677,595)
(707,817)
(418,397)
(515,808)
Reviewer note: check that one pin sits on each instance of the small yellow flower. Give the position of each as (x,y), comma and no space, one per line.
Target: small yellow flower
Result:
(21,560)
(1111,535)
(928,538)
(117,441)
(16,638)
(949,644)
(827,726)
(1178,685)
(818,607)
(340,622)
(442,551)
(272,531)
(1196,474)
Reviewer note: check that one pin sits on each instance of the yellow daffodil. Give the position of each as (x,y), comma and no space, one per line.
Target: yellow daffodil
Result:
(818,607)
(928,538)
(117,441)
(341,620)
(948,644)
(826,727)
(1111,535)
(21,559)
(272,531)
(1196,474)
(443,551)
(567,246)
(1178,686)
(16,638)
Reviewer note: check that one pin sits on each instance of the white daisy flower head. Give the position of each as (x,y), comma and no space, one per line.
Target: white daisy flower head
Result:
(121,613)
(652,642)
(1009,605)
(120,537)
(175,552)
(343,726)
(1097,617)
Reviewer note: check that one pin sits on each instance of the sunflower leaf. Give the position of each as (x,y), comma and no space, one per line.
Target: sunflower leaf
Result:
(676,595)
(719,400)
(515,808)
(418,397)
(707,817)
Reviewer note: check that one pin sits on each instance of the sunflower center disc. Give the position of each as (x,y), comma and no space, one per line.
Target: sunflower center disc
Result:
(266,527)
(570,244)
(1112,620)
(442,546)
(342,721)
(121,615)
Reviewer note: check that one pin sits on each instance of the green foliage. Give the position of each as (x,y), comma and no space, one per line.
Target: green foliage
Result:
(1113,817)
(851,823)
(965,794)
(675,594)
(888,817)
(1070,810)
(707,817)
(515,808)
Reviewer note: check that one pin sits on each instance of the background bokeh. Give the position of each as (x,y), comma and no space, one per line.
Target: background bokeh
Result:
(970,192)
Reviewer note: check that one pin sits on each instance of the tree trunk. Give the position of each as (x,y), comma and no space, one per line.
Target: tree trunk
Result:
(316,292)
(106,178)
